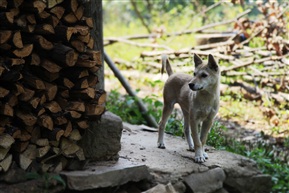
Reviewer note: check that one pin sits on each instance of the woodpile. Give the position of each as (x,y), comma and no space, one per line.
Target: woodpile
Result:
(48,76)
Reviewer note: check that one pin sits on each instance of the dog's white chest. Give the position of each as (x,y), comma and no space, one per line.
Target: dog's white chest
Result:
(204,112)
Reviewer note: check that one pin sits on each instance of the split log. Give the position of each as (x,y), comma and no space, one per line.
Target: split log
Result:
(76,106)
(55,134)
(53,3)
(24,162)
(13,131)
(3,152)
(33,6)
(85,94)
(44,29)
(68,129)
(5,35)
(46,122)
(64,55)
(3,92)
(74,135)
(20,147)
(7,110)
(6,163)
(17,40)
(27,118)
(23,52)
(93,110)
(68,147)
(7,19)
(51,91)
(53,107)
(42,142)
(6,141)
(42,151)
(34,82)
(3,4)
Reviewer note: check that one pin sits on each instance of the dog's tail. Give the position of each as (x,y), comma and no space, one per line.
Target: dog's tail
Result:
(166,64)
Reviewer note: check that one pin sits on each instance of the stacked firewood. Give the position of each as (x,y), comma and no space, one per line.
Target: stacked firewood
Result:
(47,83)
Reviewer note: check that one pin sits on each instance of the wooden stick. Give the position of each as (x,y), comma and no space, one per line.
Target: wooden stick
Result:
(149,118)
(136,44)
(253,61)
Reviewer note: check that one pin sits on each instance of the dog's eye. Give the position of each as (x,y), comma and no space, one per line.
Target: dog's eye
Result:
(195,74)
(204,75)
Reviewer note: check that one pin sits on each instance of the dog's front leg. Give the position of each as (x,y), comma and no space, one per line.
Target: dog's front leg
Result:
(199,154)
(207,124)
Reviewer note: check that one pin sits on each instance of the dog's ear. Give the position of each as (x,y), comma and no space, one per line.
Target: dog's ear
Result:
(212,63)
(197,60)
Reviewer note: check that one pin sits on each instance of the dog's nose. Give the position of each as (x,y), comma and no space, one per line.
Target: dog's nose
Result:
(192,85)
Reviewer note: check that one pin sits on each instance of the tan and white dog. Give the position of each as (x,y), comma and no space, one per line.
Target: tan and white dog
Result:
(198,97)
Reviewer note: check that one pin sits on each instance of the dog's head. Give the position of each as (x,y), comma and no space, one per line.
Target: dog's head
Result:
(206,75)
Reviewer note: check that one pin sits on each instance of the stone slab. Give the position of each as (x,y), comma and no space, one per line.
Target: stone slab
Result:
(176,162)
(106,174)
(206,182)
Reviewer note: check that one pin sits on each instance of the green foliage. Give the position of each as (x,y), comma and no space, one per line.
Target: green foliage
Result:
(257,42)
(261,153)
(216,137)
(126,107)
(48,179)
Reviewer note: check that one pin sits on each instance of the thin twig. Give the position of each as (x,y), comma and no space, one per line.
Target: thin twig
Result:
(140,16)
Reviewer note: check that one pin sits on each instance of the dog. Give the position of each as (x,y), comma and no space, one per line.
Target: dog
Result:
(198,97)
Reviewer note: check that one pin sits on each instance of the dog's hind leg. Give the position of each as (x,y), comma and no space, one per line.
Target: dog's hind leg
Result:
(167,110)
(187,130)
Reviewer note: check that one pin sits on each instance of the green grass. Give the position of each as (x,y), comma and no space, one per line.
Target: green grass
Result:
(260,152)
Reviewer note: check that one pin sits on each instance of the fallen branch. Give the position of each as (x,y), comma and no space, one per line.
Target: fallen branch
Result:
(149,118)
(234,73)
(113,40)
(187,51)
(214,45)
(253,61)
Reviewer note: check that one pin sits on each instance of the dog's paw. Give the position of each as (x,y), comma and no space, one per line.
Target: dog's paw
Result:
(205,155)
(161,146)
(191,148)
(200,159)
(199,156)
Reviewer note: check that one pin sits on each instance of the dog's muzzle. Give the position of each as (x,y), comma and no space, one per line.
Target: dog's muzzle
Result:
(193,87)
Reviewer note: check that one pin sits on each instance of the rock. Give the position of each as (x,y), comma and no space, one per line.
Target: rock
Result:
(102,140)
(180,187)
(106,174)
(222,190)
(160,188)
(241,173)
(262,183)
(206,182)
